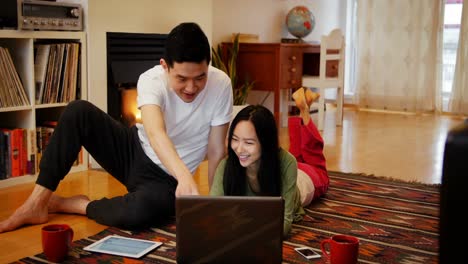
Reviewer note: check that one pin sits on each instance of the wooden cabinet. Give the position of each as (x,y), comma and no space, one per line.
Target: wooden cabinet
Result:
(291,67)
(276,66)
(21,45)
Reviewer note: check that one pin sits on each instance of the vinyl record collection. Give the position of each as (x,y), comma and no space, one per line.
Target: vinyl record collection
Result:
(12,92)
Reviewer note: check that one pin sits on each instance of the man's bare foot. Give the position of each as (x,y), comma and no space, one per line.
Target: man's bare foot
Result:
(32,211)
(75,205)
(28,213)
(310,96)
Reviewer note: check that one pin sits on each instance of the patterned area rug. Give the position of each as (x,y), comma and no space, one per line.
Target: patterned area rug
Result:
(396,222)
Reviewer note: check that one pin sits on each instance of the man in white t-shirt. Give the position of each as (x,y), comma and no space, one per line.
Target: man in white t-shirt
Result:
(186,106)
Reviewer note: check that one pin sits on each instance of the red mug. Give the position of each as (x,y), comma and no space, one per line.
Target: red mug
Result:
(341,249)
(56,241)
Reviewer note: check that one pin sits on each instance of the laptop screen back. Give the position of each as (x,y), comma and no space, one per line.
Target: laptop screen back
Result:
(229,229)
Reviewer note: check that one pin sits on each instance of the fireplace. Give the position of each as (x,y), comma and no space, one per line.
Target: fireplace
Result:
(129,55)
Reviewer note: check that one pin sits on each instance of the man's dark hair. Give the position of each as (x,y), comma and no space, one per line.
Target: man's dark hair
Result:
(187,43)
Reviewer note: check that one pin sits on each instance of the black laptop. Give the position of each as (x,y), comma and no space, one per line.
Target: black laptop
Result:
(229,229)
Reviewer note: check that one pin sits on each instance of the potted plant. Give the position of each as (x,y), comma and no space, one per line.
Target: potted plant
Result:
(239,91)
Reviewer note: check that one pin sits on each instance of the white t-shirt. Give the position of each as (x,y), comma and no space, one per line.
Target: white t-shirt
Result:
(187,124)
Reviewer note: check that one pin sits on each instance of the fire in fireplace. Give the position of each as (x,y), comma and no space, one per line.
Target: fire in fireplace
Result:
(129,55)
(130,114)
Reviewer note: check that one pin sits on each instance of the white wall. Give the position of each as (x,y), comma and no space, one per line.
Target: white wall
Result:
(218,18)
(267,19)
(137,16)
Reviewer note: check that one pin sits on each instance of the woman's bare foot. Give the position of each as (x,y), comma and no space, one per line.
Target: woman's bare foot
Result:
(310,96)
(74,205)
(301,103)
(32,211)
(299,98)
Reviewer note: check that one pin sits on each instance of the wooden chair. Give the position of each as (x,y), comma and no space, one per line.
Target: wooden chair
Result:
(332,49)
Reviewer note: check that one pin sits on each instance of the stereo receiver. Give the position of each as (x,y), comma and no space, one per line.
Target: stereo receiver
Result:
(41,15)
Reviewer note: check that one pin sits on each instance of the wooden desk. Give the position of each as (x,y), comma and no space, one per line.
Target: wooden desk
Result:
(276,66)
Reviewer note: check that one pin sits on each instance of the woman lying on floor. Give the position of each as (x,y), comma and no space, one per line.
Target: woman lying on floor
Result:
(257,166)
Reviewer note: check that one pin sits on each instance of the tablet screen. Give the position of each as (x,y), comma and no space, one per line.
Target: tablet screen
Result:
(123,246)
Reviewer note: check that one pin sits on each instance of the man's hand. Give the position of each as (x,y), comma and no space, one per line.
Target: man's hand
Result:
(186,186)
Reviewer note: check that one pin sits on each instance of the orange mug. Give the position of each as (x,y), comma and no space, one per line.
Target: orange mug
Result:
(340,249)
(56,241)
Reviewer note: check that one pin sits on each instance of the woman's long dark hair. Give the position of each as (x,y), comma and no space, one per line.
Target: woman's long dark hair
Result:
(235,178)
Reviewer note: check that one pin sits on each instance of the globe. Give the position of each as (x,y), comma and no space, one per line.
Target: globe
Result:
(300,21)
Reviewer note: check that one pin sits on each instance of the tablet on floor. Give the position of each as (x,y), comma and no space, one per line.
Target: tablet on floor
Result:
(123,246)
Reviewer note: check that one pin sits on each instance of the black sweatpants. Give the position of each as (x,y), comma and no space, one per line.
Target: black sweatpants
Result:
(151,191)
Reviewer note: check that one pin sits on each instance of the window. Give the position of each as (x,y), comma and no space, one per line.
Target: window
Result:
(452,19)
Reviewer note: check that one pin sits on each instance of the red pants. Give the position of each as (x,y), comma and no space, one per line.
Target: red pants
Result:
(306,144)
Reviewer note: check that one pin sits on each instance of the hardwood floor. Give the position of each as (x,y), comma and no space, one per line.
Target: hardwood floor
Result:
(407,147)
(402,146)
(26,241)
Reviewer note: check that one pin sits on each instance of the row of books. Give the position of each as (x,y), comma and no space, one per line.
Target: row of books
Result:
(12,91)
(17,152)
(21,150)
(56,72)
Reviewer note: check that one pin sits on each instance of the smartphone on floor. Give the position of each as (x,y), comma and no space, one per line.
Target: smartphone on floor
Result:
(307,253)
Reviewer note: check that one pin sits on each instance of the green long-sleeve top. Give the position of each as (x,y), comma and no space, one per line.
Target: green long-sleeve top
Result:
(293,210)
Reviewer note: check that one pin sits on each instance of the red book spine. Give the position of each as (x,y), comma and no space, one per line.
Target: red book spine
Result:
(16,140)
